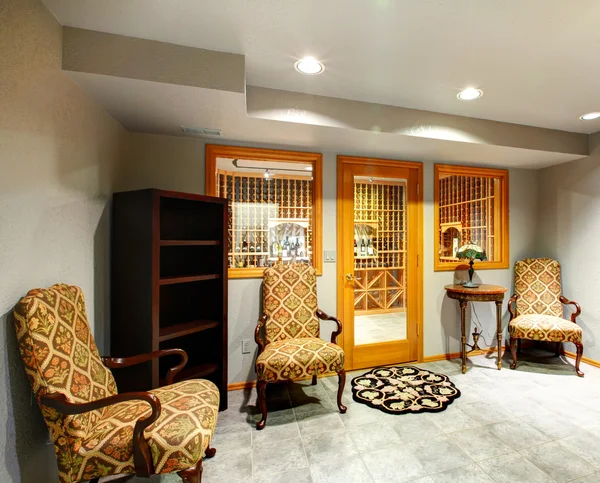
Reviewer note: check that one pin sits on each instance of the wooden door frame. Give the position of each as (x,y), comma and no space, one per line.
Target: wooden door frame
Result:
(342,162)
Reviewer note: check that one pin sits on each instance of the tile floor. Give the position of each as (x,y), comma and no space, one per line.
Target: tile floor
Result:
(540,423)
(370,329)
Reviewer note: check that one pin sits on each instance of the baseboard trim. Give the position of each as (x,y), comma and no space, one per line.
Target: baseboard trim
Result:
(236,386)
(456,355)
(587,360)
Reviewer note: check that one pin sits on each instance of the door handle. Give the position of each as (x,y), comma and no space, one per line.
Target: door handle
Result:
(349,277)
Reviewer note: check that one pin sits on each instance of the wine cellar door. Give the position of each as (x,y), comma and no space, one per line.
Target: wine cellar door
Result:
(379,257)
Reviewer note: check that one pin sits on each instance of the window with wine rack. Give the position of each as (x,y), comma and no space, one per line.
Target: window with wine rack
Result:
(273,207)
(471,207)
(379,246)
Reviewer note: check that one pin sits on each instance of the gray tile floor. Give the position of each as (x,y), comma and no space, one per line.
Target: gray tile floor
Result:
(373,328)
(540,423)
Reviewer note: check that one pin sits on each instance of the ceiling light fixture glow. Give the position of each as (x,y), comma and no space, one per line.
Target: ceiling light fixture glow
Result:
(267,175)
(308,168)
(590,116)
(309,66)
(470,94)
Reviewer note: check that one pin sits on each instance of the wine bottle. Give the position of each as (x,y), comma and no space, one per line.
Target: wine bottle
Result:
(285,252)
(355,248)
(363,247)
(252,247)
(297,247)
(370,249)
(244,245)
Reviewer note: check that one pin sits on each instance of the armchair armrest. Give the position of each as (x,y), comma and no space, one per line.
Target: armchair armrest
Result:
(512,311)
(261,323)
(142,457)
(575,314)
(118,362)
(334,335)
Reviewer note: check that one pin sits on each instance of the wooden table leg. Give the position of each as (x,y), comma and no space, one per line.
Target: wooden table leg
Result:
(463,338)
(499,329)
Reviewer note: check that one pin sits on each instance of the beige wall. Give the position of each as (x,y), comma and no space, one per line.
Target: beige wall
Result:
(569,231)
(177,163)
(57,153)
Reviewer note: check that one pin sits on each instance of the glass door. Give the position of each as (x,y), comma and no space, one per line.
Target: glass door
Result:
(380,245)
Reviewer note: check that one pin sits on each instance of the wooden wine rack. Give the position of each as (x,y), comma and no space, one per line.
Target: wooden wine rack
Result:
(469,202)
(380,280)
(254,200)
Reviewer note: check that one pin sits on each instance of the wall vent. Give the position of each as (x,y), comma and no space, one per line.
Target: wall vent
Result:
(201,131)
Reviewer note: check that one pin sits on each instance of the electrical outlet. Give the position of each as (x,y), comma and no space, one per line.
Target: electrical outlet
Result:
(246,346)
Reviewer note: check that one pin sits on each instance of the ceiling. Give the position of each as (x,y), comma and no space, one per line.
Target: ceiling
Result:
(534,59)
(153,107)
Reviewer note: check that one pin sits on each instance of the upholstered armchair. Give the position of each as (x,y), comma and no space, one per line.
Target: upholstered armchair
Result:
(292,348)
(95,430)
(538,308)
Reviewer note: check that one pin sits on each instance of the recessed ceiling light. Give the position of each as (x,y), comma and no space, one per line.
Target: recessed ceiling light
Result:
(309,66)
(469,94)
(589,116)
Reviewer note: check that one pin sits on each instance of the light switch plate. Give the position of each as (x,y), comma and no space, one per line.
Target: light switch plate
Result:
(246,346)
(329,256)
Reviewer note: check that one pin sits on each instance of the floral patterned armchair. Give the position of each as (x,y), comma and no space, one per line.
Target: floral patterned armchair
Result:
(292,348)
(538,312)
(96,431)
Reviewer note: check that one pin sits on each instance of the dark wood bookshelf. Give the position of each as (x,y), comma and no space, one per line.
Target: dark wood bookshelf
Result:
(192,278)
(180,330)
(169,286)
(176,243)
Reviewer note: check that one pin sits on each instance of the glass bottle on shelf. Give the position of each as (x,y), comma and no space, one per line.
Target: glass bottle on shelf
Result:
(244,245)
(285,252)
(355,248)
(238,248)
(297,247)
(275,249)
(252,247)
(370,251)
(363,247)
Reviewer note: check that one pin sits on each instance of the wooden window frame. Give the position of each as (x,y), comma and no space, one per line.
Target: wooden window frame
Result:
(214,151)
(502,214)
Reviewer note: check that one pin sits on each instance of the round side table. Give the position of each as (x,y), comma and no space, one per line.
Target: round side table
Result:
(483,293)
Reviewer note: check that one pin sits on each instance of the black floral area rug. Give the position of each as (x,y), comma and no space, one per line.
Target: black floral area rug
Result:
(404,389)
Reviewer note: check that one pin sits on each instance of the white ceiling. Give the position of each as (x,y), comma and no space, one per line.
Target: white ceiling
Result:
(536,60)
(153,107)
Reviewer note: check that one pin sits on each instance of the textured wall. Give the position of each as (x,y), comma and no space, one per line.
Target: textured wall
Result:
(177,163)
(57,152)
(569,230)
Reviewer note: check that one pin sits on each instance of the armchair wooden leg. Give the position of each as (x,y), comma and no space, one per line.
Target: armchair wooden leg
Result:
(193,474)
(513,350)
(341,384)
(557,350)
(209,452)
(314,380)
(261,388)
(578,360)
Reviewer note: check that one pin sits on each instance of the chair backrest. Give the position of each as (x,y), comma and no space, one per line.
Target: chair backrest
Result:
(537,283)
(290,302)
(60,355)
